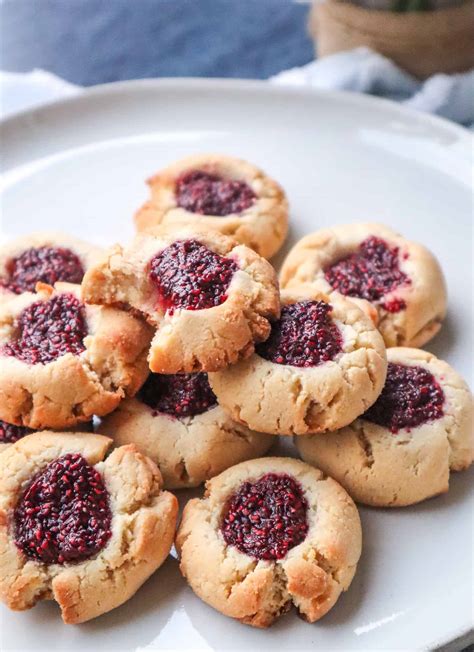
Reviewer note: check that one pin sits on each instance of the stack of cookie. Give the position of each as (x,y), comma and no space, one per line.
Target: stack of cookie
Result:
(182,353)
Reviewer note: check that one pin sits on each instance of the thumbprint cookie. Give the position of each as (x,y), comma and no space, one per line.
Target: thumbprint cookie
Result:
(397,282)
(268,534)
(79,526)
(219,193)
(209,298)
(43,258)
(177,422)
(401,451)
(62,361)
(323,365)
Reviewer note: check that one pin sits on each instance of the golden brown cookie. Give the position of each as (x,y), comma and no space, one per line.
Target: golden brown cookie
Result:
(46,258)
(323,364)
(209,298)
(62,361)
(78,527)
(177,422)
(270,533)
(397,282)
(220,193)
(401,451)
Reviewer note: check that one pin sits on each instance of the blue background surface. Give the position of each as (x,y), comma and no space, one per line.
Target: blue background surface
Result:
(93,41)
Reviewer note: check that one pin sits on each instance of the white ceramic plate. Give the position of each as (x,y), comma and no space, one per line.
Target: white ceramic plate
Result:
(80,165)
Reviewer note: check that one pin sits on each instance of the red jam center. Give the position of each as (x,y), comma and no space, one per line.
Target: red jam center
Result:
(304,336)
(370,273)
(64,514)
(411,396)
(9,433)
(266,518)
(188,275)
(210,194)
(46,330)
(178,395)
(45,264)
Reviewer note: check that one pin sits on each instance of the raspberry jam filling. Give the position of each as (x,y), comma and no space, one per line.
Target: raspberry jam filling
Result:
(9,433)
(210,194)
(370,273)
(46,330)
(178,395)
(188,275)
(64,514)
(411,396)
(45,264)
(266,518)
(304,336)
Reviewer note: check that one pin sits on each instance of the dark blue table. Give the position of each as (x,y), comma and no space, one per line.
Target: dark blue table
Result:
(93,41)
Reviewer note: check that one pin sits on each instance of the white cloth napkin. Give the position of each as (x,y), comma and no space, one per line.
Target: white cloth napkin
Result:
(364,71)
(360,70)
(19,91)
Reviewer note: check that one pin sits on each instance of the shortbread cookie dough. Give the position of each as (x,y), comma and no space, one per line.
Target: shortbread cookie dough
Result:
(43,258)
(397,282)
(78,527)
(268,534)
(176,421)
(323,365)
(62,361)
(209,298)
(403,448)
(220,193)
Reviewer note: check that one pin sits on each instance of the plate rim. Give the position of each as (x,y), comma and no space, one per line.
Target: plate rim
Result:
(259,86)
(462,636)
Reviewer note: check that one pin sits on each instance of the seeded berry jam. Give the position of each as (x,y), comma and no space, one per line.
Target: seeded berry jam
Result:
(411,396)
(178,395)
(46,330)
(210,194)
(9,433)
(304,336)
(394,305)
(45,264)
(370,273)
(266,518)
(64,514)
(188,275)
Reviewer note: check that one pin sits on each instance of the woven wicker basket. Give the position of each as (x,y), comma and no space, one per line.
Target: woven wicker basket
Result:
(423,43)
